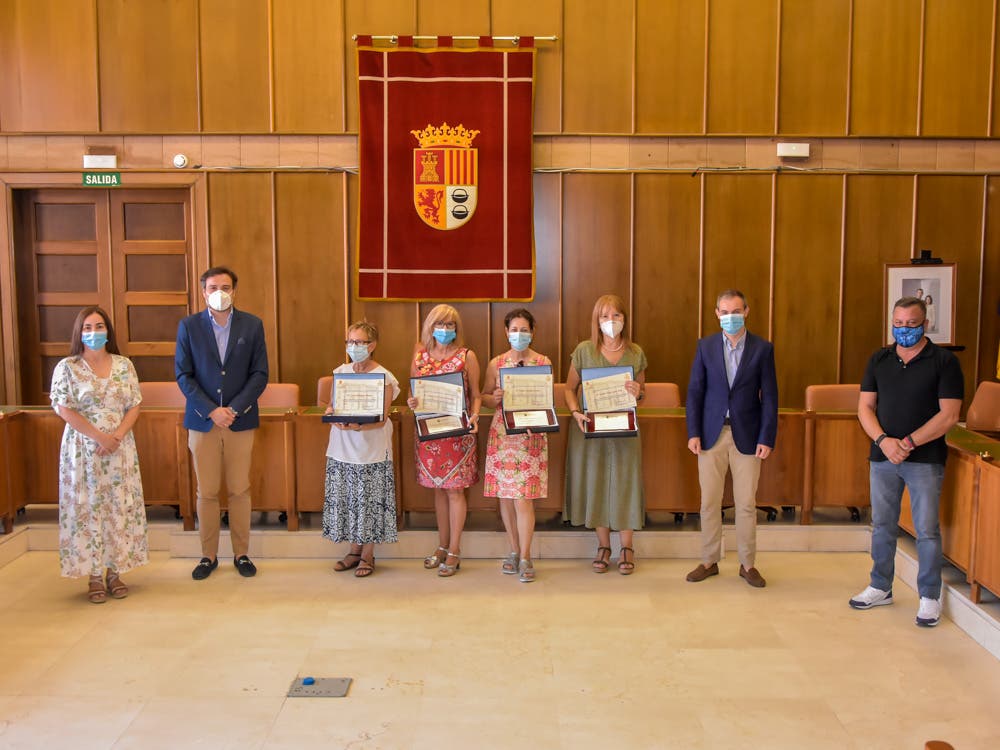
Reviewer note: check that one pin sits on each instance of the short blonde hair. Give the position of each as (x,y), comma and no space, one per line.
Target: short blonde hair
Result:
(369,329)
(440,314)
(618,304)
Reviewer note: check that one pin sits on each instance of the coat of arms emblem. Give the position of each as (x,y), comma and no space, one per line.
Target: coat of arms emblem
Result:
(445,175)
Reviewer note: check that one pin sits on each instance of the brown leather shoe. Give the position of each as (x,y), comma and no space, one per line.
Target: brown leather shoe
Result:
(753,577)
(701,572)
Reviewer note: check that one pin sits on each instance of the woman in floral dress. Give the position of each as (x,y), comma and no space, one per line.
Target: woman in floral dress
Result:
(102,518)
(448,465)
(517,466)
(360,490)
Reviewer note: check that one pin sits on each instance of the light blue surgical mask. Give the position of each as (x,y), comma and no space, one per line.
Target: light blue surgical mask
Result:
(732,323)
(519,340)
(906,336)
(357,352)
(444,335)
(94,339)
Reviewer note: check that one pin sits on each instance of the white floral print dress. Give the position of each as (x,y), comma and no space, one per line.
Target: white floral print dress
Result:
(102,518)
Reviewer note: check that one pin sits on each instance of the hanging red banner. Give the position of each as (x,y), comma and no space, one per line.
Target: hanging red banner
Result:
(445,210)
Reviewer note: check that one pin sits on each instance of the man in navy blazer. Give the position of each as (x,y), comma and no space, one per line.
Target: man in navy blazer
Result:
(221,367)
(732,420)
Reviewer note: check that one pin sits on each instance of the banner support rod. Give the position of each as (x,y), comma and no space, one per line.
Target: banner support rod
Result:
(394,38)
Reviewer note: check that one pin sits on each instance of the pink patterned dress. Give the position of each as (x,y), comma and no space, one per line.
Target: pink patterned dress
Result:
(449,463)
(517,466)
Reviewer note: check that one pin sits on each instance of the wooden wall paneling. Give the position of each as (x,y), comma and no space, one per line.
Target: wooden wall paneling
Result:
(598,67)
(737,228)
(989,331)
(806,282)
(43,91)
(812,80)
(309,235)
(444,17)
(670,66)
(398,322)
(957,62)
(234,66)
(597,220)
(545,306)
(742,65)
(148,66)
(545,19)
(308,66)
(365,17)
(950,223)
(241,237)
(885,58)
(667,238)
(877,231)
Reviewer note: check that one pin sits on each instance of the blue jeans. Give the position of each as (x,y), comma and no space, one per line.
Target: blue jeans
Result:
(924,483)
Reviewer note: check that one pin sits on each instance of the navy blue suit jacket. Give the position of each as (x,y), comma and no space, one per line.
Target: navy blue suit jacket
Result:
(209,383)
(752,402)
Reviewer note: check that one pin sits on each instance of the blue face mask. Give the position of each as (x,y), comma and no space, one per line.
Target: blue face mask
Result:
(357,352)
(906,336)
(732,323)
(444,335)
(519,340)
(94,339)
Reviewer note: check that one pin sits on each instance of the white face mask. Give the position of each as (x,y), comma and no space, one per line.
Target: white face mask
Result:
(220,301)
(611,328)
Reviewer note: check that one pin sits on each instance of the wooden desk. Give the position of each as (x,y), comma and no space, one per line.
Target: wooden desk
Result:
(12,425)
(164,460)
(311,437)
(835,470)
(986,560)
(272,466)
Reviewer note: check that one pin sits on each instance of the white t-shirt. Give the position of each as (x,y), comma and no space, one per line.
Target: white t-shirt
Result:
(365,446)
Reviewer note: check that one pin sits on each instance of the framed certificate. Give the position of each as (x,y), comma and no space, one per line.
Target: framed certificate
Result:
(358,397)
(527,399)
(609,407)
(441,411)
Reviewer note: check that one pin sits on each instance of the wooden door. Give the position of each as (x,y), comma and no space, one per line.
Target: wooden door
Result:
(125,250)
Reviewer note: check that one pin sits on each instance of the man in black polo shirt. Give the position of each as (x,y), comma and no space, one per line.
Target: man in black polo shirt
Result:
(910,397)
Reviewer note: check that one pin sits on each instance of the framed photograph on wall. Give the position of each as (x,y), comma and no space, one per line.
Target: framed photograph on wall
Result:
(935,285)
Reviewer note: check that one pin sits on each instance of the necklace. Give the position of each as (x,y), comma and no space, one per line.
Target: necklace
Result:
(621,346)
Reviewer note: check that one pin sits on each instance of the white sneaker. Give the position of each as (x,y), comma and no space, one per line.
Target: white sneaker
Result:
(929,612)
(871,597)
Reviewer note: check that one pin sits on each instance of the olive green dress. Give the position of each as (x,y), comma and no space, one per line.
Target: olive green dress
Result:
(604,475)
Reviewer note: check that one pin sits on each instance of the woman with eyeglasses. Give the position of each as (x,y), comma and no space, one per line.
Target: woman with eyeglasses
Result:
(102,517)
(359,504)
(448,465)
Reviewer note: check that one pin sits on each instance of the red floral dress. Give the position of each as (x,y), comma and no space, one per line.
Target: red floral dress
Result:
(517,466)
(449,463)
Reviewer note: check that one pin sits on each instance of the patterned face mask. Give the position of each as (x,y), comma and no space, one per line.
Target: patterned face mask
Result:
(906,336)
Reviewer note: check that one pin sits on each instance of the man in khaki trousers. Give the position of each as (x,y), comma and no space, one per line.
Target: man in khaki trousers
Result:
(732,420)
(221,366)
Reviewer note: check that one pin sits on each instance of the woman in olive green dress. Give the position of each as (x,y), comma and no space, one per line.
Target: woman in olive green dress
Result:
(604,476)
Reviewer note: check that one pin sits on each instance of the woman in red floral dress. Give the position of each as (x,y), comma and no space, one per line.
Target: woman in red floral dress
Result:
(448,465)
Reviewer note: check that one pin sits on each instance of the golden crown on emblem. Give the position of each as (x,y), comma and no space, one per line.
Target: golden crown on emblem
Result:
(445,135)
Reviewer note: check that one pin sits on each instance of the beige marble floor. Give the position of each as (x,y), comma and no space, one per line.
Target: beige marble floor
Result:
(481,661)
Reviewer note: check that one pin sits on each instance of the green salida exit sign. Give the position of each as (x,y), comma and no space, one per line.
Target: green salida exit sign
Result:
(102,179)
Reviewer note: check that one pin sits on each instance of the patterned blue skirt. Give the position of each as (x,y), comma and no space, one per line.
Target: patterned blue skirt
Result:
(359,503)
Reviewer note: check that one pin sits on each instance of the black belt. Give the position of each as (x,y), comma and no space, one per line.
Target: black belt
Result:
(726,422)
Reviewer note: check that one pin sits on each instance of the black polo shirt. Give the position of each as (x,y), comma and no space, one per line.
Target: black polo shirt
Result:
(907,395)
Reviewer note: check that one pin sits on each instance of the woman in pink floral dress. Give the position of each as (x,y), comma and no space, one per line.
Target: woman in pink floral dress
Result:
(517,466)
(448,465)
(102,518)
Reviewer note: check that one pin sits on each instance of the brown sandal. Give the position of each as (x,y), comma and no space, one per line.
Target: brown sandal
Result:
(365,568)
(341,565)
(117,586)
(600,563)
(96,592)
(625,566)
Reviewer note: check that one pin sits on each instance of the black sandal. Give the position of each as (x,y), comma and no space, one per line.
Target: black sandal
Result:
(600,563)
(626,567)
